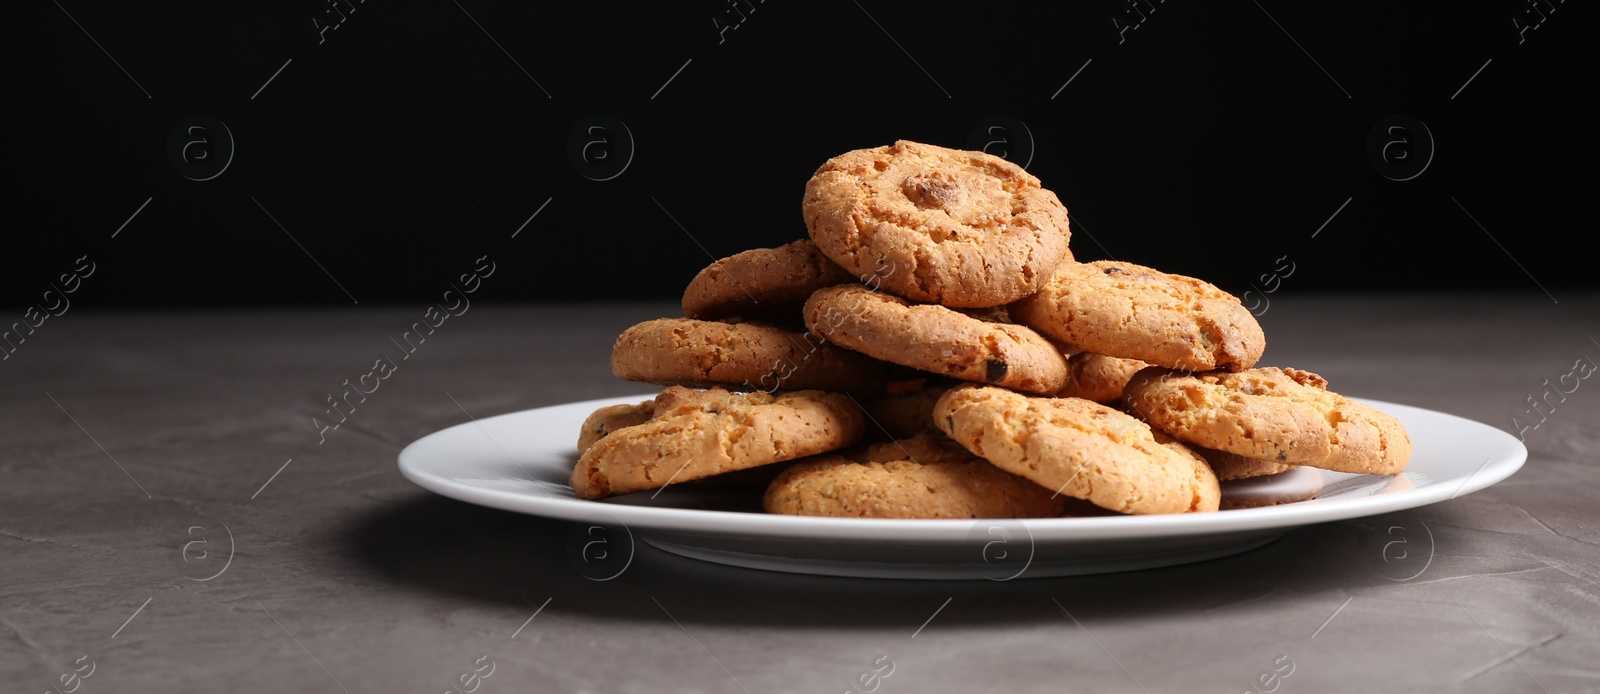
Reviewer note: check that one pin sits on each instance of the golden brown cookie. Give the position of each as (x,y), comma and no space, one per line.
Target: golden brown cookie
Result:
(611,418)
(906,413)
(923,477)
(934,338)
(764,283)
(1287,487)
(684,351)
(1227,466)
(937,225)
(1279,415)
(695,435)
(1078,448)
(1232,466)
(1130,311)
(1098,377)
(988,314)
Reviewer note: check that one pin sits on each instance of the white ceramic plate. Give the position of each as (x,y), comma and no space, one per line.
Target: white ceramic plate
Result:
(522,461)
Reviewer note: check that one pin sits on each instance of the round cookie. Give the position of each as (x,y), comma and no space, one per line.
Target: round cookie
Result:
(1294,484)
(1130,311)
(988,314)
(684,351)
(1232,466)
(611,418)
(715,432)
(905,412)
(937,225)
(934,338)
(1227,466)
(1079,448)
(1280,415)
(1098,377)
(764,283)
(923,477)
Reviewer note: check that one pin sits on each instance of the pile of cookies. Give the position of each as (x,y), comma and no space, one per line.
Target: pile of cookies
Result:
(934,351)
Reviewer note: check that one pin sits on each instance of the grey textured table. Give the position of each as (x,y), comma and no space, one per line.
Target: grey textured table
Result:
(135,445)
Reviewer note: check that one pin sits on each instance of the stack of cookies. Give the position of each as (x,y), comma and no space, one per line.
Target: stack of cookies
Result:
(934,351)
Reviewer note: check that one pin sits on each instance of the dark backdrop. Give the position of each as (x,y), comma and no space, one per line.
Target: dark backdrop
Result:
(397,143)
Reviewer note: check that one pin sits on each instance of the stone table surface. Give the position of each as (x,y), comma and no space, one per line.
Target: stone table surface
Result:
(155,535)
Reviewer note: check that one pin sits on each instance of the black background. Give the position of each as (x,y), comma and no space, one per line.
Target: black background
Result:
(408,143)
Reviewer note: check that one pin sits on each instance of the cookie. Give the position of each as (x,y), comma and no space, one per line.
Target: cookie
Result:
(988,314)
(924,477)
(1280,415)
(696,435)
(1295,484)
(765,283)
(934,338)
(1232,466)
(748,484)
(754,356)
(937,225)
(1130,311)
(1227,466)
(611,418)
(1098,377)
(906,412)
(1080,449)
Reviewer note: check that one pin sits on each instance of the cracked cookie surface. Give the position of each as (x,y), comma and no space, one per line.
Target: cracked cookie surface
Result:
(697,434)
(763,283)
(609,419)
(936,339)
(1098,377)
(751,356)
(927,476)
(1080,449)
(946,226)
(1134,312)
(1232,466)
(1278,415)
